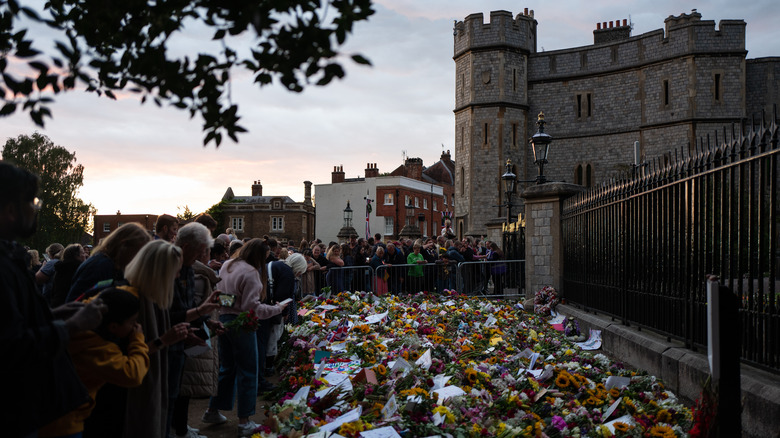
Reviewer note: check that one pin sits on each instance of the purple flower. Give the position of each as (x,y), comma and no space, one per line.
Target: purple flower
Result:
(558,422)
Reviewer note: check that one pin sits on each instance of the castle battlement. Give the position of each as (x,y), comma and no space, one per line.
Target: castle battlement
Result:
(684,35)
(518,33)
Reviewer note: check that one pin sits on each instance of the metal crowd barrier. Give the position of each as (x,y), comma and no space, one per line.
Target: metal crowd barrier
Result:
(504,278)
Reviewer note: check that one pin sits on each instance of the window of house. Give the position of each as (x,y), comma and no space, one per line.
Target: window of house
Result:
(435,206)
(388,199)
(425,204)
(445,199)
(407,200)
(106,227)
(277,223)
(119,224)
(237,223)
(277,205)
(416,202)
(388,225)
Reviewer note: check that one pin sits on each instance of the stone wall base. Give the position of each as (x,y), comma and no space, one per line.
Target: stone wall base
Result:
(684,371)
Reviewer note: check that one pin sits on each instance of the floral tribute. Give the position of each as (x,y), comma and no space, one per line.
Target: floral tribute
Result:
(247,321)
(545,300)
(456,366)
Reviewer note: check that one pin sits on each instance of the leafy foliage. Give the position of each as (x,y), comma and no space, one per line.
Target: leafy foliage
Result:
(186,214)
(64,217)
(124,46)
(217,213)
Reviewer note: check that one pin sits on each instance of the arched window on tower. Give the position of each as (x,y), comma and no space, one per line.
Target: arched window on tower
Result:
(462,182)
(583,174)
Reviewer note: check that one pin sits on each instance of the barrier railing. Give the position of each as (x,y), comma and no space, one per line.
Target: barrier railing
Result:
(492,278)
(504,278)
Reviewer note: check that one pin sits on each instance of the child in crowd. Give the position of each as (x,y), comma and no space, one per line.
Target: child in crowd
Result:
(115,352)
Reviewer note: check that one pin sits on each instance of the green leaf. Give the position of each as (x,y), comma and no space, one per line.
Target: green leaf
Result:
(361,60)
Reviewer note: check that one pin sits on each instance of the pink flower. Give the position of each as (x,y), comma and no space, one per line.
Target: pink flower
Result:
(558,422)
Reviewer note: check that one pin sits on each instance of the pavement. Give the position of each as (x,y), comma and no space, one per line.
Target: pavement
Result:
(226,430)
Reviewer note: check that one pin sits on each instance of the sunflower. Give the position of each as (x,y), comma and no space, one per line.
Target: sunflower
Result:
(471,376)
(493,360)
(415,355)
(663,416)
(614,392)
(663,431)
(381,369)
(621,426)
(405,354)
(562,381)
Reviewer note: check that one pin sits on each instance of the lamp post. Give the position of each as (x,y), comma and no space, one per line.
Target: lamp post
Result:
(410,229)
(346,231)
(540,142)
(510,186)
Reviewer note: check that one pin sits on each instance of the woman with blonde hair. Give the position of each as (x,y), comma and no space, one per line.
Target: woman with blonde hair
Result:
(109,259)
(141,411)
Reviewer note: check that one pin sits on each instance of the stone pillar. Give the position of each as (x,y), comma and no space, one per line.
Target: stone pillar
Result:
(543,246)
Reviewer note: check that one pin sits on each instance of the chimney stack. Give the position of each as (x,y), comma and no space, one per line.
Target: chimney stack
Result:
(372,171)
(337,176)
(413,168)
(307,192)
(257,188)
(611,31)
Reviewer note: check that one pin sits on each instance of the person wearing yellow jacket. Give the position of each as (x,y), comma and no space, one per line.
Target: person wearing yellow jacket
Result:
(116,352)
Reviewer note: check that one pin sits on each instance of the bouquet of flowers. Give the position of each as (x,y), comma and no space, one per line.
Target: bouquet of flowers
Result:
(545,300)
(247,321)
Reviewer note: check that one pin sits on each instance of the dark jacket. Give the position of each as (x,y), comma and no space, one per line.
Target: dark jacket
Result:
(39,376)
(63,276)
(95,269)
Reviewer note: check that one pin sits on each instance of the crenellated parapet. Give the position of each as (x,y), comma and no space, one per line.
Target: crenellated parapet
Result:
(503,30)
(615,49)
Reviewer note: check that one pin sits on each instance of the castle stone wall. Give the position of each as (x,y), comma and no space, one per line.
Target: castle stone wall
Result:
(763,85)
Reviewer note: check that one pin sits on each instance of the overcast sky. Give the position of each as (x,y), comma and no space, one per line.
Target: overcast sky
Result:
(144,159)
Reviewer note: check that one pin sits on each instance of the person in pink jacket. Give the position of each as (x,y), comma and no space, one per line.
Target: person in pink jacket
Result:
(242,290)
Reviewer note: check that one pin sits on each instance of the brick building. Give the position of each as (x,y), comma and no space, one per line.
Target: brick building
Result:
(279,217)
(664,89)
(430,190)
(106,223)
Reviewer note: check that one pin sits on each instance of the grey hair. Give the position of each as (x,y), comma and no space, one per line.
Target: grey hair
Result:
(194,234)
(297,262)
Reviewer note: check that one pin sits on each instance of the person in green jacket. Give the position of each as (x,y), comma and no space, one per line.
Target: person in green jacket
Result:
(415,272)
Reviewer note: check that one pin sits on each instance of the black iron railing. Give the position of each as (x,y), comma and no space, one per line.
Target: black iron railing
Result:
(640,249)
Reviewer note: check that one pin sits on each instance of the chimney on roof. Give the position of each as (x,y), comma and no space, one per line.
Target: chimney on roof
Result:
(307,192)
(337,176)
(257,188)
(372,171)
(610,32)
(445,156)
(413,168)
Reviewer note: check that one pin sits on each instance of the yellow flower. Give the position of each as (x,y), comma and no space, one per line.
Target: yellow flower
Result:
(405,354)
(381,369)
(663,431)
(562,381)
(663,416)
(621,426)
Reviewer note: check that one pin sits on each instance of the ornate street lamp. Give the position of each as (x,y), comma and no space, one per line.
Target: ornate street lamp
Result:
(410,229)
(540,143)
(346,231)
(510,186)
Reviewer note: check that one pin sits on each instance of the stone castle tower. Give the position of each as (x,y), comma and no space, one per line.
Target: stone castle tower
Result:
(664,89)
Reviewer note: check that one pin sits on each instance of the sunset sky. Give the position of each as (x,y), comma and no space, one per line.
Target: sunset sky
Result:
(145,159)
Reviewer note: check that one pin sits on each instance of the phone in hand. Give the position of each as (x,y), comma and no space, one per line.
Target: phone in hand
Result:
(285,302)
(226,300)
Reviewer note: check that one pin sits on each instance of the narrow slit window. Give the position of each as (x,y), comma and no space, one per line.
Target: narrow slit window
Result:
(514,79)
(514,134)
(717,86)
(579,105)
(485,141)
(666,92)
(590,107)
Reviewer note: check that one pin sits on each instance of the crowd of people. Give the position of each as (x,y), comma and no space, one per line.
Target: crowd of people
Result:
(114,341)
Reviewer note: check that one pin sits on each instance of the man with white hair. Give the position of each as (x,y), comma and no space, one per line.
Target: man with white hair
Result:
(193,239)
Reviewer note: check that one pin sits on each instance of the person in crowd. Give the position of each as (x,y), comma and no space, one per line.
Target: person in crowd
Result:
(361,280)
(335,276)
(166,228)
(469,272)
(207,221)
(72,257)
(115,352)
(415,275)
(303,246)
(393,256)
(430,271)
(35,261)
(231,234)
(45,276)
(378,242)
(217,255)
(108,260)
(319,256)
(283,254)
(142,410)
(40,381)
(88,249)
(377,260)
(223,239)
(312,271)
(234,247)
(193,239)
(349,261)
(201,371)
(497,270)
(282,282)
(242,278)
(275,248)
